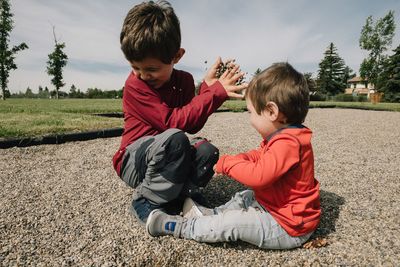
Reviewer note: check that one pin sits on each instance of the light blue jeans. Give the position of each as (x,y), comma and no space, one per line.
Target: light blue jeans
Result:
(242,218)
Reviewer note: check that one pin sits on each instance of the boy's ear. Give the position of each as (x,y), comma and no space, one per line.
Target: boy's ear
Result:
(178,55)
(272,111)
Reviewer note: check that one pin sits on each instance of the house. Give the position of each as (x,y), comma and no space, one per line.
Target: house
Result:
(359,86)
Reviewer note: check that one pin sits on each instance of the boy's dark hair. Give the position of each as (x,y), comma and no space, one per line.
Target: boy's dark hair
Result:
(151,29)
(282,84)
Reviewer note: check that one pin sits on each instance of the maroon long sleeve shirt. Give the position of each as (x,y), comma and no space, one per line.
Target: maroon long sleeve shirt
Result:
(149,111)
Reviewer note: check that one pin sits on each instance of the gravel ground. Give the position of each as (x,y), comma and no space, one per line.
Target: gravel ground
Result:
(63,205)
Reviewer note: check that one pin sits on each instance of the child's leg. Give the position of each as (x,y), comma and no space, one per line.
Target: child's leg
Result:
(168,167)
(241,200)
(241,218)
(231,225)
(251,225)
(157,167)
(205,156)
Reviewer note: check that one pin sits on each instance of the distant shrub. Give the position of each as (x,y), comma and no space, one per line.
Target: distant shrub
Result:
(362,98)
(318,97)
(391,97)
(344,98)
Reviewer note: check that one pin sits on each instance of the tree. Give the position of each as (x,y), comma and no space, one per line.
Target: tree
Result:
(376,38)
(29,93)
(7,94)
(72,91)
(7,55)
(332,72)
(57,61)
(312,85)
(391,77)
(43,93)
(75,93)
(348,74)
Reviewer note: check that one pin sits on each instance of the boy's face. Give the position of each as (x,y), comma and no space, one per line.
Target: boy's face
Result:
(152,71)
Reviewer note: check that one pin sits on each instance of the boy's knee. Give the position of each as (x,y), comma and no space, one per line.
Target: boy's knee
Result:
(205,150)
(177,158)
(205,157)
(177,143)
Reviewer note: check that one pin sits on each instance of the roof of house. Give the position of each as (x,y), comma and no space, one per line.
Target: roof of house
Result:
(356,79)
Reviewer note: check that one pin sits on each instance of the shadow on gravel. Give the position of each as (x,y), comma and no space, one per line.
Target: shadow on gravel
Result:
(330,204)
(221,189)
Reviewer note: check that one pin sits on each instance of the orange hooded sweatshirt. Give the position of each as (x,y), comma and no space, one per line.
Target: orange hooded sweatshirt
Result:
(281,173)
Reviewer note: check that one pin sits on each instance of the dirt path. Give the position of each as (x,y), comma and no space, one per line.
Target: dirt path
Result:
(63,205)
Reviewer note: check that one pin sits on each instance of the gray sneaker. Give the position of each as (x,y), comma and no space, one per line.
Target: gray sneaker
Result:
(160,223)
(192,209)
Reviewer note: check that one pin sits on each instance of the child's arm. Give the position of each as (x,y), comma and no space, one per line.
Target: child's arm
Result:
(147,105)
(269,166)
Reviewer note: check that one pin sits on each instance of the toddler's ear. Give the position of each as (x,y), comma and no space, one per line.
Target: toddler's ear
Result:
(178,55)
(272,110)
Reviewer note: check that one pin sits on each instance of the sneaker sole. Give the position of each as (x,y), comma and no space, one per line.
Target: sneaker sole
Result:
(149,219)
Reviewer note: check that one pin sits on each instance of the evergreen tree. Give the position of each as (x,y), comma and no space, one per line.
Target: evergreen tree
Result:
(7,55)
(331,74)
(391,77)
(29,93)
(73,91)
(348,74)
(43,93)
(57,61)
(312,85)
(376,38)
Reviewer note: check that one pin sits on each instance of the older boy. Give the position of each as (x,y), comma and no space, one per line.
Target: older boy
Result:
(282,209)
(155,156)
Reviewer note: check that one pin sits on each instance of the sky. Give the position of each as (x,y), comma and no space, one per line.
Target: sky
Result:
(256,33)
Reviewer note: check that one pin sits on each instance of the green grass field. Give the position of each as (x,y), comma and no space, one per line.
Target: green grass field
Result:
(35,117)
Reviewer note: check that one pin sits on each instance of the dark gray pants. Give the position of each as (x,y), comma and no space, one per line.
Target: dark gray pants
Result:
(162,167)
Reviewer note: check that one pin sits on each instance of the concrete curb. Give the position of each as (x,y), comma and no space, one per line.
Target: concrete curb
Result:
(60,138)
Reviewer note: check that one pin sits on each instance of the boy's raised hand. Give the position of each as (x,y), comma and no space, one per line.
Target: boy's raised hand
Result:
(229,81)
(211,75)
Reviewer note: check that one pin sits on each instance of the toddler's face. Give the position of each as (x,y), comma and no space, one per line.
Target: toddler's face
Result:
(261,122)
(152,71)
